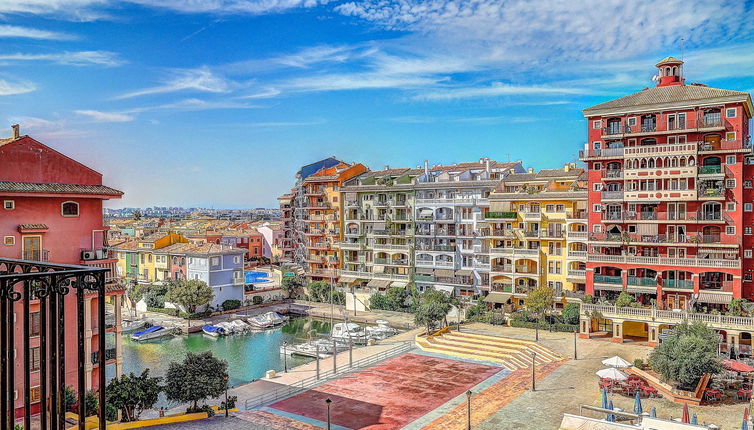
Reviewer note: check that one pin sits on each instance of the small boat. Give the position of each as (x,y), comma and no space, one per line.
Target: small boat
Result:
(214,331)
(229,328)
(381,331)
(267,320)
(153,332)
(132,326)
(240,326)
(347,331)
(307,349)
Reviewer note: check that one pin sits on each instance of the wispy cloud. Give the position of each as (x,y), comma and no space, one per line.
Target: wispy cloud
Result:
(465,120)
(13,31)
(499,89)
(200,79)
(193,104)
(360,81)
(77,58)
(252,7)
(99,116)
(47,129)
(10,87)
(265,94)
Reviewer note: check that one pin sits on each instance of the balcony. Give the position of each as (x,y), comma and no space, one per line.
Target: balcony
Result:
(613,173)
(577,254)
(678,284)
(389,247)
(606,279)
(725,145)
(502,268)
(712,193)
(710,170)
(612,195)
(578,235)
(664,261)
(532,216)
(601,153)
(500,215)
(355,246)
(673,317)
(436,248)
(554,234)
(36,255)
(110,354)
(576,273)
(525,252)
(642,281)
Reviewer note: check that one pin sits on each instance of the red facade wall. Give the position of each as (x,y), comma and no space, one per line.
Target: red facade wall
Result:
(26,160)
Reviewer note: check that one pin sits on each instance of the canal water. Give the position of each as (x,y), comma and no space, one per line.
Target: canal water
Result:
(249,355)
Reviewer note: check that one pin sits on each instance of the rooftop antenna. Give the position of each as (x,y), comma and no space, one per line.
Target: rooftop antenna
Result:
(683,43)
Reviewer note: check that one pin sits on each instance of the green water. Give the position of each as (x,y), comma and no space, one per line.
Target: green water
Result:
(249,356)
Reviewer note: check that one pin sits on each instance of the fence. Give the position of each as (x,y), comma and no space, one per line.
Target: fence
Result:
(325,376)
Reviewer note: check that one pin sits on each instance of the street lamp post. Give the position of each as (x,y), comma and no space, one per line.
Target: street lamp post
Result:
(225,378)
(575,352)
(285,356)
(468,410)
(317,353)
(533,375)
(334,356)
(328,401)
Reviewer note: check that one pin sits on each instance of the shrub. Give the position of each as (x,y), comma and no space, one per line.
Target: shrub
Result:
(231,304)
(687,354)
(257,300)
(625,300)
(91,401)
(231,403)
(589,299)
(570,313)
(567,328)
(111,412)
(639,363)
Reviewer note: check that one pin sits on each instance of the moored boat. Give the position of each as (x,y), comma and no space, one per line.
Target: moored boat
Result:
(381,331)
(214,331)
(153,332)
(133,326)
(349,332)
(267,320)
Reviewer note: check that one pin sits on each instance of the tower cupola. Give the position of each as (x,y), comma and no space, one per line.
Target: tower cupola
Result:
(669,72)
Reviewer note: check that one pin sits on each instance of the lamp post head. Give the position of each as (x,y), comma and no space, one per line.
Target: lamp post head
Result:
(328,401)
(468,394)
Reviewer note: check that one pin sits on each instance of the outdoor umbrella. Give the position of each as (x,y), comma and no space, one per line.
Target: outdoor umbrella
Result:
(616,362)
(612,373)
(637,405)
(694,419)
(744,425)
(746,414)
(653,414)
(685,416)
(611,417)
(604,398)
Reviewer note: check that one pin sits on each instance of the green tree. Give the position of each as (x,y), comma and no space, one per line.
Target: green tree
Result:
(539,303)
(293,286)
(133,394)
(738,307)
(189,293)
(198,377)
(432,309)
(570,313)
(69,397)
(91,400)
(154,294)
(686,355)
(319,291)
(394,299)
(625,300)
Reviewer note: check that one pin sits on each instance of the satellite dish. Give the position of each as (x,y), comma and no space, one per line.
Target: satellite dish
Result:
(655,78)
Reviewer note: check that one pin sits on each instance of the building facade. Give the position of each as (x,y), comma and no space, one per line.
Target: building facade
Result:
(667,198)
(52,212)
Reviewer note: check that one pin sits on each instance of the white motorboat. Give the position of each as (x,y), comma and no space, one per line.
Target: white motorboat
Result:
(240,326)
(381,331)
(228,327)
(307,349)
(214,331)
(267,320)
(153,332)
(133,326)
(347,331)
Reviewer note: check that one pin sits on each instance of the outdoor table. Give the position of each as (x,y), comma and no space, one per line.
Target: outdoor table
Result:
(744,394)
(649,391)
(713,395)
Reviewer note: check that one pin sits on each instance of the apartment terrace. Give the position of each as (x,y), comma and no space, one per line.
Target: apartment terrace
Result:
(689,148)
(656,216)
(456,201)
(657,316)
(541,195)
(701,125)
(373,275)
(714,240)
(664,261)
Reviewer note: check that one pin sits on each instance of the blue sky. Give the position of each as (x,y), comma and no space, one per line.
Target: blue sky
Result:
(218,102)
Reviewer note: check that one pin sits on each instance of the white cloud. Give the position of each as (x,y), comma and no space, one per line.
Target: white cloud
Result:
(193,104)
(264,94)
(77,10)
(499,89)
(76,58)
(359,81)
(99,116)
(11,87)
(13,31)
(199,79)
(252,7)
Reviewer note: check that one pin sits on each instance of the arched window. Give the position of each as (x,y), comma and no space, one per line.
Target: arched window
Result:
(69,209)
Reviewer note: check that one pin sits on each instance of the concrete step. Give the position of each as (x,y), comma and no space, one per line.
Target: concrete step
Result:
(479,344)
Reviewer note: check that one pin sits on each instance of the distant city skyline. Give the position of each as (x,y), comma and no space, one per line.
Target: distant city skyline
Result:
(218,103)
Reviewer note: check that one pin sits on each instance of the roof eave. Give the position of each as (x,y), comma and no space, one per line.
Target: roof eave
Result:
(596,111)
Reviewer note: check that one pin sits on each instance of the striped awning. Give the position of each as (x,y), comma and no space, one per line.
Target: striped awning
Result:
(445,273)
(464,272)
(378,269)
(398,284)
(445,288)
(426,212)
(607,287)
(347,279)
(715,298)
(424,271)
(496,297)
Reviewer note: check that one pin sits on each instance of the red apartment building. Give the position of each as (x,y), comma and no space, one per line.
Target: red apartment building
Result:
(52,211)
(669,198)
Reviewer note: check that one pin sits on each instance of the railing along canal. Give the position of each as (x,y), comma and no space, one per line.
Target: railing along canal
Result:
(324,376)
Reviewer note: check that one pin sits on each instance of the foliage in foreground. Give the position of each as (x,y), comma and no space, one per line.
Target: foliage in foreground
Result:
(198,377)
(687,355)
(133,394)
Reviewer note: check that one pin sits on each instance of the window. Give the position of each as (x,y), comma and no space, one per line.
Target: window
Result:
(215,261)
(9,240)
(597,166)
(70,209)
(597,144)
(597,228)
(747,207)
(34,357)
(731,159)
(597,186)
(9,205)
(747,253)
(632,121)
(747,184)
(730,183)
(236,259)
(597,207)
(730,113)
(730,206)
(731,135)
(747,230)
(730,229)
(35,394)
(597,124)
(34,323)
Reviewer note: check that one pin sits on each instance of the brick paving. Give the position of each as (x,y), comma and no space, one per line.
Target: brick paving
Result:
(488,401)
(389,395)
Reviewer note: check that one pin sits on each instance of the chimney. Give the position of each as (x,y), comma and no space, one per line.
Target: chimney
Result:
(531,170)
(481,160)
(567,167)
(487,165)
(387,167)
(16,131)
(426,167)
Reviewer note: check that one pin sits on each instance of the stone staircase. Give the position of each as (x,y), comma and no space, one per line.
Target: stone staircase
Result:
(511,353)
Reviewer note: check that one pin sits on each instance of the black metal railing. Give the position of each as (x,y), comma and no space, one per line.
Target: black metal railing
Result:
(52,285)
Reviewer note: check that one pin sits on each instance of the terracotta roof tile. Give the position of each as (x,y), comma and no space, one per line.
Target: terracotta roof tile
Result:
(33,187)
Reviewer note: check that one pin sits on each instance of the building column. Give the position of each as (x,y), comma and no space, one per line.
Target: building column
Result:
(88,366)
(624,279)
(585,327)
(618,331)
(695,278)
(733,339)
(737,287)
(118,331)
(589,281)
(654,333)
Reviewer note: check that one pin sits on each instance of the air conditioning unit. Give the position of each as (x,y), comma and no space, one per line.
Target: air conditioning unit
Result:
(101,254)
(88,255)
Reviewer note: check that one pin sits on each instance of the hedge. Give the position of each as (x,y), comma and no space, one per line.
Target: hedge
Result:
(568,328)
(174,312)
